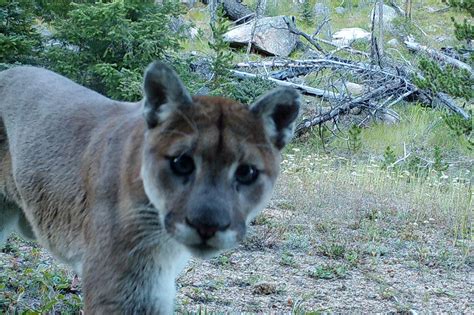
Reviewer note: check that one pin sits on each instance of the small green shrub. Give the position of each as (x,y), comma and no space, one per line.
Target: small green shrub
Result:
(389,158)
(334,251)
(222,59)
(354,141)
(461,128)
(306,12)
(247,90)
(19,41)
(464,30)
(447,79)
(329,272)
(439,164)
(106,46)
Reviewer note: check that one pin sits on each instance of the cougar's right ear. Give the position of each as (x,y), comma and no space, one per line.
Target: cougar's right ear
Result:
(164,93)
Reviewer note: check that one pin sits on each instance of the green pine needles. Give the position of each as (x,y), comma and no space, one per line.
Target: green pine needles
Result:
(447,79)
(464,30)
(222,59)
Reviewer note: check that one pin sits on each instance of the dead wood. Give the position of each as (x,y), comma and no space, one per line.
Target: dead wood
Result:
(363,100)
(305,89)
(447,101)
(437,55)
(237,11)
(293,29)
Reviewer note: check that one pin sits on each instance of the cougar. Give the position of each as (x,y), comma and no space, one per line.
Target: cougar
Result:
(125,193)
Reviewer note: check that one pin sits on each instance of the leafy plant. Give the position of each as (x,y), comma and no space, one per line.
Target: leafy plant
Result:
(354,140)
(329,272)
(222,59)
(389,158)
(456,82)
(105,46)
(439,165)
(19,41)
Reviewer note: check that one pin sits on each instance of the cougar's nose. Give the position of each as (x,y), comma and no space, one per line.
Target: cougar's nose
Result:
(208,221)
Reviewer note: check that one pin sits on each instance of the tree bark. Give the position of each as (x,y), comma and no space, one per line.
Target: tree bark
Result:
(436,55)
(381,26)
(235,10)
(305,89)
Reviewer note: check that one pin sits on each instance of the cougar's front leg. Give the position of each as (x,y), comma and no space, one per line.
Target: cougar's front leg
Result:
(116,281)
(12,219)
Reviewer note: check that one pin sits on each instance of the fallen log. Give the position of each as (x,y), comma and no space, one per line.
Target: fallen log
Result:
(434,54)
(362,100)
(236,11)
(304,88)
(447,101)
(324,62)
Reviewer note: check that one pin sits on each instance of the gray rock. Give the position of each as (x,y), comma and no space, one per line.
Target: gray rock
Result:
(340,10)
(388,117)
(43,30)
(189,3)
(320,9)
(346,36)
(393,42)
(271,36)
(389,15)
(354,88)
(442,38)
(356,111)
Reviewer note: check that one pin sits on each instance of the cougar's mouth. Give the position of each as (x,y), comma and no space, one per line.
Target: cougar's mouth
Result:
(203,250)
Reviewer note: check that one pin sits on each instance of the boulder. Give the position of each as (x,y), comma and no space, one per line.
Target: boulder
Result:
(388,116)
(271,37)
(356,111)
(320,9)
(393,42)
(340,10)
(355,89)
(345,36)
(389,15)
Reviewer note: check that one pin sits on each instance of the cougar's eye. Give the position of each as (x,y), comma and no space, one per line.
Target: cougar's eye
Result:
(246,174)
(182,165)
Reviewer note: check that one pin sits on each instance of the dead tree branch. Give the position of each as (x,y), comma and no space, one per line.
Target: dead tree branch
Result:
(345,107)
(293,29)
(434,54)
(305,89)
(447,101)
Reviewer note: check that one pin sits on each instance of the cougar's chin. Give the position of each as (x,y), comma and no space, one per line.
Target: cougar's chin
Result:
(203,251)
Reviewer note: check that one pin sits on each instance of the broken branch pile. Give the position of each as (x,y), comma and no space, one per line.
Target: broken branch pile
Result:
(376,89)
(349,82)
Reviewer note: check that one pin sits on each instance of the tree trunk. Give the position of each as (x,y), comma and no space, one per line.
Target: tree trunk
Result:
(381,26)
(212,10)
(235,10)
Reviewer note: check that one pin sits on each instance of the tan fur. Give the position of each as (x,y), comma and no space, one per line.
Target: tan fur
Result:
(95,180)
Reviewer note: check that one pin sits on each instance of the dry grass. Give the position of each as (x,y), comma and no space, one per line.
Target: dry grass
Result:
(338,236)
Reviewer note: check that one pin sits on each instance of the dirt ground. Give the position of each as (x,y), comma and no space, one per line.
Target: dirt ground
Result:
(347,248)
(271,278)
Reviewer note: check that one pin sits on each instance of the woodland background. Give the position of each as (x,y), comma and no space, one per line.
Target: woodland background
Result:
(374,208)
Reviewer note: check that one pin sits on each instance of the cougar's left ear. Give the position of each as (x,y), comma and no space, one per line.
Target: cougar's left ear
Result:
(164,93)
(279,109)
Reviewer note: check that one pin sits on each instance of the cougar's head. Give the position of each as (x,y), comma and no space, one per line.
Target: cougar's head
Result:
(209,163)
